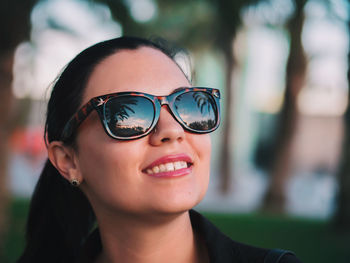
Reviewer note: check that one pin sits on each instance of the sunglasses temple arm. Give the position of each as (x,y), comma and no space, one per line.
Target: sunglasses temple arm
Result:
(74,122)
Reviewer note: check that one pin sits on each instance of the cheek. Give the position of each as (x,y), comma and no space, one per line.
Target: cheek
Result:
(102,158)
(110,170)
(201,144)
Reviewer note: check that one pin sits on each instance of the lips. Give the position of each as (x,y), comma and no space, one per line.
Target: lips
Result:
(170,166)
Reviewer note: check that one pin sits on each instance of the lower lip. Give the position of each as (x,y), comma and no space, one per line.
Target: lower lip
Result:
(172,174)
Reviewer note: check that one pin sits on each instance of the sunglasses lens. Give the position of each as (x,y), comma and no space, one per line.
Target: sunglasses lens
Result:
(197,109)
(129,116)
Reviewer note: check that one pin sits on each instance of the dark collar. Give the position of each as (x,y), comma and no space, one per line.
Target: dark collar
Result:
(218,245)
(221,249)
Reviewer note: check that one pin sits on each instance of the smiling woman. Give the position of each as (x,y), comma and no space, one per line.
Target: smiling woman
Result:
(128,147)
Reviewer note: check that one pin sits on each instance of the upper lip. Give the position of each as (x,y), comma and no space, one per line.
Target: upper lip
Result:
(170,158)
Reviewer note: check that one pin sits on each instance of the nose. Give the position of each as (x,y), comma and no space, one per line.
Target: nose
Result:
(167,129)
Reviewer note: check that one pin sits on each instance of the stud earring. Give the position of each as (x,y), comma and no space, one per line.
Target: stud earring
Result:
(75,182)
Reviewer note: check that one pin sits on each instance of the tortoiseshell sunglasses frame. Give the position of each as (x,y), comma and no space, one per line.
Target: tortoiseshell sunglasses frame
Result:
(98,103)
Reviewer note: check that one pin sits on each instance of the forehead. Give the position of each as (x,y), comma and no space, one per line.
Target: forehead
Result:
(145,70)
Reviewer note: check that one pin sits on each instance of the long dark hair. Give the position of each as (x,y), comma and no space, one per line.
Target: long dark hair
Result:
(60,216)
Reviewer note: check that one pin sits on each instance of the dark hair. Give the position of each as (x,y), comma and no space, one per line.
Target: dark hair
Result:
(60,216)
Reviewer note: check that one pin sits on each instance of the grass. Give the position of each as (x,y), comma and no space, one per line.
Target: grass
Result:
(14,240)
(314,241)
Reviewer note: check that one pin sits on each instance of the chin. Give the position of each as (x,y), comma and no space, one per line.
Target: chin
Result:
(179,204)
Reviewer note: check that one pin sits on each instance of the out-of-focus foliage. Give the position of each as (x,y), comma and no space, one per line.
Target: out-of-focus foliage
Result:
(14,28)
(14,22)
(295,77)
(342,218)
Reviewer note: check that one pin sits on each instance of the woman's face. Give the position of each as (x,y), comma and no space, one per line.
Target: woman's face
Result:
(114,172)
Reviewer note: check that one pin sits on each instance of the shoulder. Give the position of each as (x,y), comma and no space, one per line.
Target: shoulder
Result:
(223,249)
(281,256)
(289,258)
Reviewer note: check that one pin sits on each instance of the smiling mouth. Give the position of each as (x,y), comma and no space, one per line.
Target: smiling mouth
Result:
(168,167)
(173,165)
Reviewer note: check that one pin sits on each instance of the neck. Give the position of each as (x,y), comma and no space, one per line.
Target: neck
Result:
(169,239)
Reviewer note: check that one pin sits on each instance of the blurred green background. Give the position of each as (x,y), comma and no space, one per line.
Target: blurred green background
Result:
(280,170)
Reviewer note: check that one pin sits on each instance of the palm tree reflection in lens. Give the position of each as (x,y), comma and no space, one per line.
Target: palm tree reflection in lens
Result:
(197,110)
(124,112)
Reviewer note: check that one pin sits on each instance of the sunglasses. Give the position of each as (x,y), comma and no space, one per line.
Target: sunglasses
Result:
(132,115)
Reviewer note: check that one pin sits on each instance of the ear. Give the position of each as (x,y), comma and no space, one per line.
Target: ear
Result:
(64,159)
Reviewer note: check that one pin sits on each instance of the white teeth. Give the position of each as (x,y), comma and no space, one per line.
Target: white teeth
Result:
(183,164)
(177,165)
(155,169)
(167,167)
(162,168)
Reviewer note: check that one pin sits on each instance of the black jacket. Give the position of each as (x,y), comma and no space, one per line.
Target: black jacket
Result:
(221,249)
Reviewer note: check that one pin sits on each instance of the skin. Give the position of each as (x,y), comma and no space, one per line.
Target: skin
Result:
(141,218)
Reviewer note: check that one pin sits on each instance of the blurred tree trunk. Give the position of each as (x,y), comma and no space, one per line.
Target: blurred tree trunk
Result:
(228,18)
(228,21)
(14,28)
(225,158)
(342,216)
(6,61)
(275,198)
